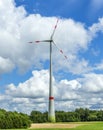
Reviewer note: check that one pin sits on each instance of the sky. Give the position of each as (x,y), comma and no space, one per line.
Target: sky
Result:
(24,67)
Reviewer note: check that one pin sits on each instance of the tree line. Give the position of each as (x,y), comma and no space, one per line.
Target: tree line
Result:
(78,115)
(14,120)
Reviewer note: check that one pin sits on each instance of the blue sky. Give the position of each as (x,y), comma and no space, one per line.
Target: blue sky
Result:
(86,11)
(24,74)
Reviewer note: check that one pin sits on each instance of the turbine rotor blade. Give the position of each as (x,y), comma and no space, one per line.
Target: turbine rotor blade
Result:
(61,51)
(30,42)
(54,28)
(37,41)
(41,41)
(34,42)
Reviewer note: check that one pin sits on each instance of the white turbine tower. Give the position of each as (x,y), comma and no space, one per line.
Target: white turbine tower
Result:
(51,110)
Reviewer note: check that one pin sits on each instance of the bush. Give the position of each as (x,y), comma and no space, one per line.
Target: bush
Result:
(11,120)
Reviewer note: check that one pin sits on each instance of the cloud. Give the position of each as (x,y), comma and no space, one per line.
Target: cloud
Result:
(96,28)
(69,94)
(99,66)
(34,93)
(35,87)
(92,83)
(17,28)
(6,65)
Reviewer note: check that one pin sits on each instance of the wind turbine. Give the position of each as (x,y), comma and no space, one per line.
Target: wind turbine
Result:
(51,110)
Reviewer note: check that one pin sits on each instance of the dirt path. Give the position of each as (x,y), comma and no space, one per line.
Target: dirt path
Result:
(53,125)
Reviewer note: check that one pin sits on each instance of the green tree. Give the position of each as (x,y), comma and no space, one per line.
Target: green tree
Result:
(100,115)
(13,120)
(83,114)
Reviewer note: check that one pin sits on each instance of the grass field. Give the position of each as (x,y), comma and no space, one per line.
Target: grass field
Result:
(80,126)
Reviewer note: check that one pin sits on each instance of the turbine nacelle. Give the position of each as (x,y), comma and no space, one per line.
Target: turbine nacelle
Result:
(45,41)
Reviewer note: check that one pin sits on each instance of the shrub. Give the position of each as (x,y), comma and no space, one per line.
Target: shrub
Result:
(11,120)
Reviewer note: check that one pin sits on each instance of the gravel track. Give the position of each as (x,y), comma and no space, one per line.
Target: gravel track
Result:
(54,125)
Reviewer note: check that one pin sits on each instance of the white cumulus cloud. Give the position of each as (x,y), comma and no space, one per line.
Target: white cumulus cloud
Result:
(17,29)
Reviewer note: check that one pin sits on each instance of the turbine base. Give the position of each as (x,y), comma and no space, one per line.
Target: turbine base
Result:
(51,119)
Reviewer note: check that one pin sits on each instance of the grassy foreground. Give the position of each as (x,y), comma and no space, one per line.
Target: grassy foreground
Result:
(89,126)
(84,126)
